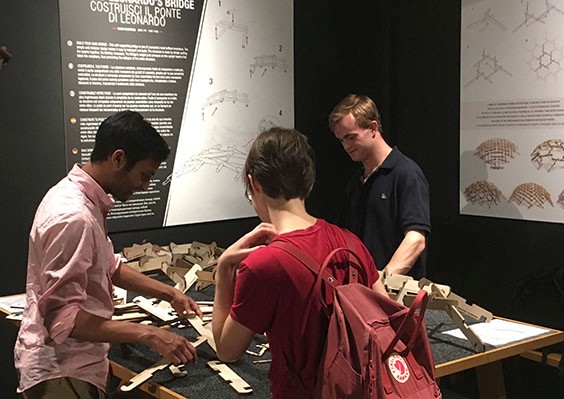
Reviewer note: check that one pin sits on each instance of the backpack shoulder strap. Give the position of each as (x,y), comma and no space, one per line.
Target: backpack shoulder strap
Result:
(312,265)
(320,270)
(353,276)
(306,260)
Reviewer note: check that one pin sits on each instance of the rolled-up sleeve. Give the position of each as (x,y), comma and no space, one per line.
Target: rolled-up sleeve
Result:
(68,254)
(414,212)
(115,260)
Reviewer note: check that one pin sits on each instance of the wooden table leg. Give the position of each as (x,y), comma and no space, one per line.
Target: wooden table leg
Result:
(491,384)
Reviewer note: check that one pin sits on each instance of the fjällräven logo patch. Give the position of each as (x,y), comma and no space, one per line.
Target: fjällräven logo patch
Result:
(398,368)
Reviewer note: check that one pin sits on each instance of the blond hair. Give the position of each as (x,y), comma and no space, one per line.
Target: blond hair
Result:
(360,106)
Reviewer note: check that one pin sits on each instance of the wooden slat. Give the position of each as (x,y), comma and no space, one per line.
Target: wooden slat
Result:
(552,359)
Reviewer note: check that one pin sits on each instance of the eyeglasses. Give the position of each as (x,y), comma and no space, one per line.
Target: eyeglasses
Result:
(249,196)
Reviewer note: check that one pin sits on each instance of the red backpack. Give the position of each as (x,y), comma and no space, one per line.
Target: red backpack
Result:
(375,347)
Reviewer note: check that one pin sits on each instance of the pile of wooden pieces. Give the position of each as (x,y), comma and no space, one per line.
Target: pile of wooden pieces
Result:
(185,264)
(163,312)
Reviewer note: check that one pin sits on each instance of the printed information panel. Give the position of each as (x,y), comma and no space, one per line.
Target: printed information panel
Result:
(512,109)
(208,75)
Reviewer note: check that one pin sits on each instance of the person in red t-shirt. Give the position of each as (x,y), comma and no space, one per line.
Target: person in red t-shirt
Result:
(263,289)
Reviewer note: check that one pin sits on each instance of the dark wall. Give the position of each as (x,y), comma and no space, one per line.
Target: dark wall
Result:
(404,54)
(31,140)
(338,50)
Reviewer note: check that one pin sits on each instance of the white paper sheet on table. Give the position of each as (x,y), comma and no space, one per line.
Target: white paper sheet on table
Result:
(500,332)
(13,303)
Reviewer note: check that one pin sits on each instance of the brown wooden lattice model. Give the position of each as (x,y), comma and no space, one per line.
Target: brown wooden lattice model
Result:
(496,152)
(483,193)
(549,154)
(561,199)
(531,194)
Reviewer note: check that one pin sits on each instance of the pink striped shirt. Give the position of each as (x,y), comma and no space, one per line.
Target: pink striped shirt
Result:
(70,263)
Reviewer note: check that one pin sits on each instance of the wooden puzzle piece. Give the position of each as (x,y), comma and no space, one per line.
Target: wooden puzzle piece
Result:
(236,382)
(146,374)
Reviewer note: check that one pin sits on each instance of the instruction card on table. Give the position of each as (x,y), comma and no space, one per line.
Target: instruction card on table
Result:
(500,332)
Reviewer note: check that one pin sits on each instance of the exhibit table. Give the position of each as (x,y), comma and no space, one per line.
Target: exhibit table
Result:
(452,355)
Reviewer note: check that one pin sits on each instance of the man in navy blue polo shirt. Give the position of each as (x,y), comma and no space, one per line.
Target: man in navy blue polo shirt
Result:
(387,201)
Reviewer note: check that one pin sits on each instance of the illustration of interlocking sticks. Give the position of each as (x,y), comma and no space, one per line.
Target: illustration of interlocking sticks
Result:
(496,152)
(531,194)
(484,193)
(549,154)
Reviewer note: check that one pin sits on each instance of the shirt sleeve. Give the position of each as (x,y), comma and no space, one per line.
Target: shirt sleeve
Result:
(68,254)
(115,260)
(256,297)
(414,212)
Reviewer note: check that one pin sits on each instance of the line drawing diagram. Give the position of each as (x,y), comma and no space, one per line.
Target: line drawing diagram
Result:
(223,26)
(545,60)
(266,62)
(223,157)
(486,67)
(223,96)
(531,18)
(230,157)
(267,122)
(486,21)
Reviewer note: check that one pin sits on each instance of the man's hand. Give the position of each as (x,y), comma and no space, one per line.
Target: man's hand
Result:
(184,305)
(5,56)
(132,280)
(173,347)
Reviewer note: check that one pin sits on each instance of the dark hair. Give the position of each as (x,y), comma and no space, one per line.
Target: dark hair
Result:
(127,130)
(282,162)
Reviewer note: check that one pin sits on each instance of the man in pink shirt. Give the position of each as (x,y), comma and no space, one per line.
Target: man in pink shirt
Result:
(63,342)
